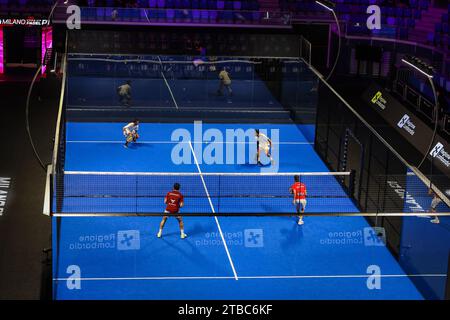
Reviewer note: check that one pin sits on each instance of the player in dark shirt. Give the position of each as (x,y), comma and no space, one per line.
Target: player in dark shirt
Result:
(174,201)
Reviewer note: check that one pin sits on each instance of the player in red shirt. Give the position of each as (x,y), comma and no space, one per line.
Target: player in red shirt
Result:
(298,189)
(174,201)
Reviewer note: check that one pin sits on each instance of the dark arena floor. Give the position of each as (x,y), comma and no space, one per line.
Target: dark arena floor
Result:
(24,234)
(208,153)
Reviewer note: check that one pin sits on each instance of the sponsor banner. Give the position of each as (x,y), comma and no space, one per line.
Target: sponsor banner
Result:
(23,22)
(414,130)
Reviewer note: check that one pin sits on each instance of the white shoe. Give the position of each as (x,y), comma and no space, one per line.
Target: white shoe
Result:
(183,235)
(159,235)
(435,220)
(301,222)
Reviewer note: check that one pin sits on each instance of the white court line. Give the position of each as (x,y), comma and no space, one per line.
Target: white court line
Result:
(173,142)
(146,16)
(214,212)
(255,277)
(167,84)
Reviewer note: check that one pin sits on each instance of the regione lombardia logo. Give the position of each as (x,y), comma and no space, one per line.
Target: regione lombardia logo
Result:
(403,121)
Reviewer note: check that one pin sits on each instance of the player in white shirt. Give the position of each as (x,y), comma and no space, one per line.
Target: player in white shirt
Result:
(130,131)
(262,143)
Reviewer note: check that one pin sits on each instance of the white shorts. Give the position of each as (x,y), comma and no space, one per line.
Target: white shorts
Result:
(264,147)
(302,202)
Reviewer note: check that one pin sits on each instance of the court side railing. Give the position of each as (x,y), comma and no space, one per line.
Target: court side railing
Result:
(423,105)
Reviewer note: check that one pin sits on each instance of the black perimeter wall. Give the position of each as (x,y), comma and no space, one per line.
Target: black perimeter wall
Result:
(187,41)
(336,124)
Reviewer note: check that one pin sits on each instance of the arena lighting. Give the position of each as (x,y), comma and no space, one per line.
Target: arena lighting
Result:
(428,71)
(2,69)
(419,65)
(330,7)
(326,4)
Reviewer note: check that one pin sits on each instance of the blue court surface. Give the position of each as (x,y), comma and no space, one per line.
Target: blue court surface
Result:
(223,257)
(153,93)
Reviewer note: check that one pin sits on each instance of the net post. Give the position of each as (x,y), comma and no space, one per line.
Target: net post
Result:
(351,183)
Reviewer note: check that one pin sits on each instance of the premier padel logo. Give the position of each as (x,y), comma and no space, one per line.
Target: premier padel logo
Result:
(439,153)
(406,124)
(379,100)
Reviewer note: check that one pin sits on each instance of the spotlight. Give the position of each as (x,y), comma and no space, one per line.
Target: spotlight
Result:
(326,4)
